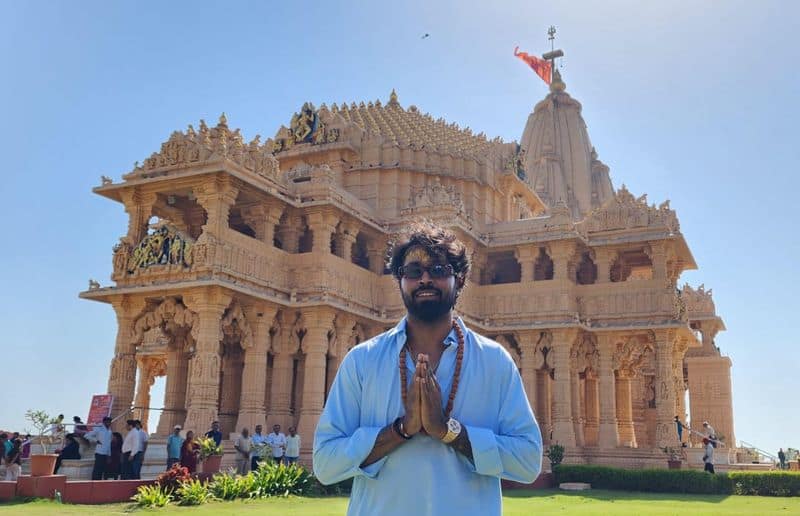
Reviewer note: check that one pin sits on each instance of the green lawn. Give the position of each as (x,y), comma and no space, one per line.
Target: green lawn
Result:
(516,503)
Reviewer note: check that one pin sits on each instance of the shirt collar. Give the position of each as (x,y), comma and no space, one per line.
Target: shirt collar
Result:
(400,335)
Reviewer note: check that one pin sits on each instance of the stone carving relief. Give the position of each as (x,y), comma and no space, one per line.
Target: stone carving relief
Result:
(210,144)
(306,127)
(170,315)
(236,328)
(624,211)
(630,355)
(584,353)
(164,245)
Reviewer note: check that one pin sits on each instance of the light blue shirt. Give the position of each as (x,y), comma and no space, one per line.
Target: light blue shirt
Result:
(174,443)
(423,475)
(102,436)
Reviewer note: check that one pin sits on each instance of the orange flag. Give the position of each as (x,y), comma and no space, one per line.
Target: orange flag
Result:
(542,68)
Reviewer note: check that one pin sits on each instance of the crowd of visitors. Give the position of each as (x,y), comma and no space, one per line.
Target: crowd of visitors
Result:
(121,457)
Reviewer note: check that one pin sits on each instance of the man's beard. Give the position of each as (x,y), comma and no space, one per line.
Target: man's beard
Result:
(431,309)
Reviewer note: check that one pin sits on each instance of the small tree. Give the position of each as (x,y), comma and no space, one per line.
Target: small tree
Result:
(41,422)
(555,452)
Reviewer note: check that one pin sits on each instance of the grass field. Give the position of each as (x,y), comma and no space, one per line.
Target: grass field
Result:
(515,503)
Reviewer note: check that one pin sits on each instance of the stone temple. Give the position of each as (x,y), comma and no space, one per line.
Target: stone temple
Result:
(249,269)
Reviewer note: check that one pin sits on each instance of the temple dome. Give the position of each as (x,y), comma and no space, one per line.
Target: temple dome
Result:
(559,158)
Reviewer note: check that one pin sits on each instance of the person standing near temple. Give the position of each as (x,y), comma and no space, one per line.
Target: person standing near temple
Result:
(215,433)
(189,452)
(243,446)
(708,455)
(138,459)
(782,458)
(428,416)
(292,446)
(130,447)
(277,442)
(13,461)
(101,436)
(259,447)
(174,444)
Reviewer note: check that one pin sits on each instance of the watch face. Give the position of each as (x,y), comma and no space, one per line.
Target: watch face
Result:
(453,426)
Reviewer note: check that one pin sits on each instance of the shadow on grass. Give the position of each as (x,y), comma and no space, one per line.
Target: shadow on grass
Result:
(610,496)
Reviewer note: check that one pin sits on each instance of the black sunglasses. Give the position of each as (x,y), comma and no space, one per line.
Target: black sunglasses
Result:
(414,271)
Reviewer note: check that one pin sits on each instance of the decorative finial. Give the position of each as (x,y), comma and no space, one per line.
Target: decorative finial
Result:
(393,98)
(551,35)
(557,85)
(223,120)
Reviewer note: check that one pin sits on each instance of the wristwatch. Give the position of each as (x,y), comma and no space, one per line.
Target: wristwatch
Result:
(453,431)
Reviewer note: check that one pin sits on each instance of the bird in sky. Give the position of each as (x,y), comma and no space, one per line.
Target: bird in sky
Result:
(426,35)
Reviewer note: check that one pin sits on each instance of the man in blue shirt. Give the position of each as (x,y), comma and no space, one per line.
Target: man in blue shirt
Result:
(428,416)
(101,435)
(174,443)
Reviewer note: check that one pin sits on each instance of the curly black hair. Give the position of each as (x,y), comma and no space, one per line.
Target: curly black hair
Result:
(438,241)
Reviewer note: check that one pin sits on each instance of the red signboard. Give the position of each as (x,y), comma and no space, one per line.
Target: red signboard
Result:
(100,408)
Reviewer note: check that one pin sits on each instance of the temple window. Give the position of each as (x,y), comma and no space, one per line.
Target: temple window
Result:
(632,265)
(543,266)
(182,210)
(236,223)
(586,272)
(504,268)
(360,253)
(306,239)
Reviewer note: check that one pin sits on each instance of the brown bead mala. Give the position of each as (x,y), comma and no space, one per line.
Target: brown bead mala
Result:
(456,373)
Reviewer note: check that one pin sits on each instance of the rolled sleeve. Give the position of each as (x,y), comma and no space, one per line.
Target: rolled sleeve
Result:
(485,452)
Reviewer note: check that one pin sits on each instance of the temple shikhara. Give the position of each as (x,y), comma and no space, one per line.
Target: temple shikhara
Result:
(249,269)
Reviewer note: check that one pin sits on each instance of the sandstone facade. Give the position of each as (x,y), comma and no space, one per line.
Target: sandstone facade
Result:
(248,270)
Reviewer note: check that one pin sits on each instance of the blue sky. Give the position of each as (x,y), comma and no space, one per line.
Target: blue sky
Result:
(696,102)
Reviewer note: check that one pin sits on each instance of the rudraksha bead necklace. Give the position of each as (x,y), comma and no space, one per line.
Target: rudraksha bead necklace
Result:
(456,373)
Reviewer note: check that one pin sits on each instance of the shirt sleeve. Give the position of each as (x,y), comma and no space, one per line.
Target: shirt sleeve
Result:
(340,443)
(513,452)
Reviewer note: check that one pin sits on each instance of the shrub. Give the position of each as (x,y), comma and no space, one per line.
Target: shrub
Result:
(172,478)
(193,492)
(652,480)
(152,496)
(555,452)
(771,483)
(228,486)
(272,479)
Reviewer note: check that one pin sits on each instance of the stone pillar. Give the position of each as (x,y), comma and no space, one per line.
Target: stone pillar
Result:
(603,259)
(230,387)
(526,257)
(563,431)
(323,224)
(658,255)
(216,196)
(315,346)
(607,432)
(139,206)
(252,409)
(527,344)
(627,435)
(289,234)
(577,416)
(122,374)
(665,389)
(591,426)
(175,391)
(147,378)
(284,347)
(376,252)
(561,254)
(263,218)
(202,396)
